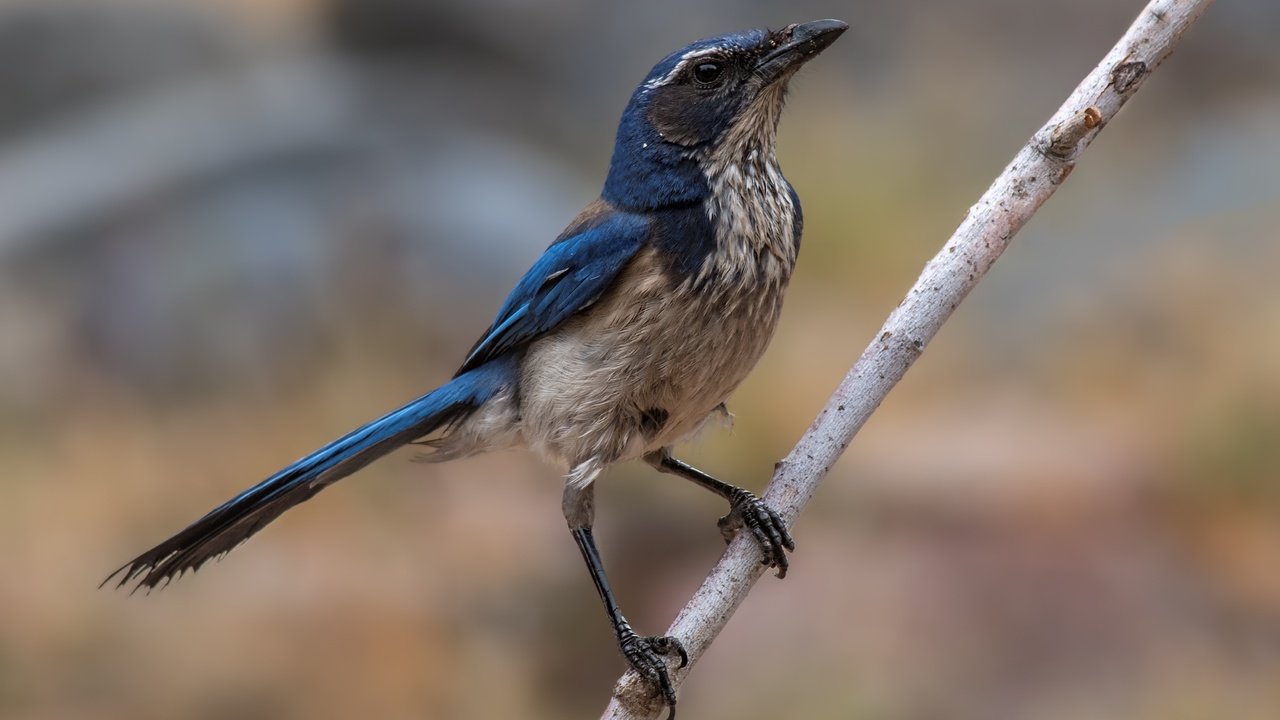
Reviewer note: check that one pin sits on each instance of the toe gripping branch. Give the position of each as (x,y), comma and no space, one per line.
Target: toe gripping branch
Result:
(645,654)
(648,655)
(745,510)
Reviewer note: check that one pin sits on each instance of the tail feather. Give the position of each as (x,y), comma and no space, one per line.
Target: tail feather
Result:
(233,522)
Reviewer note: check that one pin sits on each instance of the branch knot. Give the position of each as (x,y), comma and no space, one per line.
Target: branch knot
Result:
(1126,76)
(1064,139)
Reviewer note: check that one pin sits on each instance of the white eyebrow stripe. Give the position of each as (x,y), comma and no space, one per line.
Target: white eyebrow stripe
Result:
(681,64)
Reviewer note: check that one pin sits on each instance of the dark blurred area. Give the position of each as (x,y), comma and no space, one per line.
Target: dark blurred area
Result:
(231,231)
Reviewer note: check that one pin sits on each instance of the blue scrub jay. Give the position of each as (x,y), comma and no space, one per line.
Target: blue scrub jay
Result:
(628,333)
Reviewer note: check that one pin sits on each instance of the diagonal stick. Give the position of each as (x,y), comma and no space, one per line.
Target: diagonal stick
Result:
(1028,181)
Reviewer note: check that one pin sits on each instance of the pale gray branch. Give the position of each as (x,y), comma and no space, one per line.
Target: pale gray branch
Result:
(1033,175)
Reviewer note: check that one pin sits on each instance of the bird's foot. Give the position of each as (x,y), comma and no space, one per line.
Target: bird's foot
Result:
(747,510)
(646,655)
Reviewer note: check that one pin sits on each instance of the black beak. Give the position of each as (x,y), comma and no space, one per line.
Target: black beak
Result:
(796,45)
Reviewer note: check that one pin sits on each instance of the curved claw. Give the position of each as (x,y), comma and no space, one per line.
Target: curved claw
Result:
(645,654)
(770,533)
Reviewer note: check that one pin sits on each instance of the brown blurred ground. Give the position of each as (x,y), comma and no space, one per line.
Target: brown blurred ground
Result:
(231,231)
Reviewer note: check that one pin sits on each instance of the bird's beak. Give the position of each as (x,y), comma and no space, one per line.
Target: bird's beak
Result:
(796,45)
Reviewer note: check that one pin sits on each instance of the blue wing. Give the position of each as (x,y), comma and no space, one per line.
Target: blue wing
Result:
(569,276)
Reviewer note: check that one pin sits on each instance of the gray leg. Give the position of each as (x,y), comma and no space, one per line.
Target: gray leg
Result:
(745,510)
(645,654)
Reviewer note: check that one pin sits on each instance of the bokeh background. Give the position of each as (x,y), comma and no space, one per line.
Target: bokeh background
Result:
(231,231)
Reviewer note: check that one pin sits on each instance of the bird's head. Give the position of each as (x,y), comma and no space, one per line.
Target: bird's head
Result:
(717,91)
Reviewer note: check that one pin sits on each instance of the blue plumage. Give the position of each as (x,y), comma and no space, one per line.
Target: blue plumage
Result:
(650,172)
(569,276)
(234,521)
(684,237)
(630,331)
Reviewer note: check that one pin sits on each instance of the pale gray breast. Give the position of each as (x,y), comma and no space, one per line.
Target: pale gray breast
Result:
(658,346)
(753,214)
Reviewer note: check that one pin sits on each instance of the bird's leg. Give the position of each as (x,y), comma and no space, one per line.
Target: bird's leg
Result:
(745,510)
(645,654)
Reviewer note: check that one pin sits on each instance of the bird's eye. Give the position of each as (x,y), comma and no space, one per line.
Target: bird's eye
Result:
(707,72)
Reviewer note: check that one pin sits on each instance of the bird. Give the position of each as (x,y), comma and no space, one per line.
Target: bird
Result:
(624,338)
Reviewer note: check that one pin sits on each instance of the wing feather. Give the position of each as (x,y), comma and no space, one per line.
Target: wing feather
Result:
(570,276)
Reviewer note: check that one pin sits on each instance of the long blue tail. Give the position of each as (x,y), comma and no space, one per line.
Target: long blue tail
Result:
(231,523)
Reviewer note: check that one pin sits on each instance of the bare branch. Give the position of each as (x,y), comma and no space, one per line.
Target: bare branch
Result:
(1033,175)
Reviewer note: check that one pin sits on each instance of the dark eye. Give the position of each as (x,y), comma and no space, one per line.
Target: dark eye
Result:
(707,72)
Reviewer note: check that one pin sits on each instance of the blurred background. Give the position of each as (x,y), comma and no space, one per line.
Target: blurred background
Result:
(231,231)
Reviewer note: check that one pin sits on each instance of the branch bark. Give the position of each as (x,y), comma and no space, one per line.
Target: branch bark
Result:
(1024,185)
